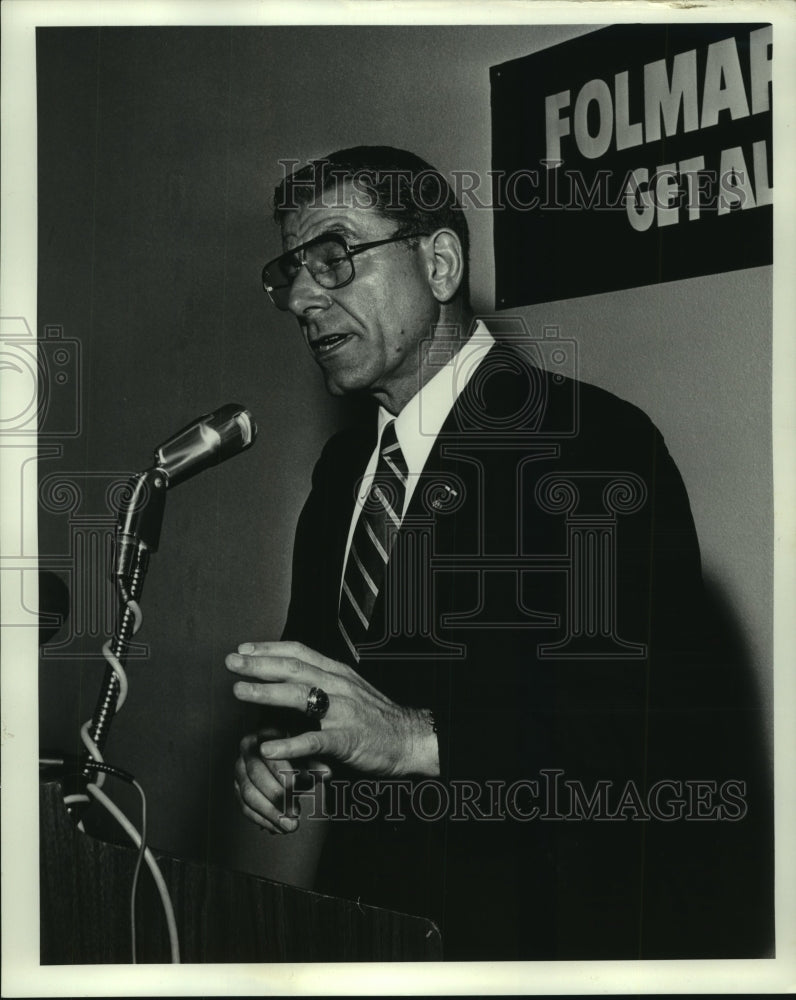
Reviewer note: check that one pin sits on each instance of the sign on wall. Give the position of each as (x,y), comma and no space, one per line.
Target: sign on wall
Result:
(629,156)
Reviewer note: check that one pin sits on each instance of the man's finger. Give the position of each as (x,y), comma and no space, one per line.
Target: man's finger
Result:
(304,745)
(266,785)
(262,794)
(287,650)
(275,779)
(252,770)
(276,695)
(255,817)
(295,651)
(275,669)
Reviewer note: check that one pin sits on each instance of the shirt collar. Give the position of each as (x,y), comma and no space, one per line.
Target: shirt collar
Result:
(420,421)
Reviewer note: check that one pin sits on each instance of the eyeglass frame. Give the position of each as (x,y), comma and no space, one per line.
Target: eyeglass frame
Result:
(350,251)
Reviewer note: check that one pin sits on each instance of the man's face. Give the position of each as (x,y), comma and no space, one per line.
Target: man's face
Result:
(366,335)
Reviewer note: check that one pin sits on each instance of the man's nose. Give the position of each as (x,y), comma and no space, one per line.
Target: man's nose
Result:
(306,295)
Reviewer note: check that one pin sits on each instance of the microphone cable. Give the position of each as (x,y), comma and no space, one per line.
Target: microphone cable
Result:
(98,764)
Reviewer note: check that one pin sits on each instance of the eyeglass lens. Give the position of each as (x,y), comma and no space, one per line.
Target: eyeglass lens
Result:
(327,261)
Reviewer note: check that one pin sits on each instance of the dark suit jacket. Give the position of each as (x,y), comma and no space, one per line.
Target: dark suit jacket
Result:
(545,601)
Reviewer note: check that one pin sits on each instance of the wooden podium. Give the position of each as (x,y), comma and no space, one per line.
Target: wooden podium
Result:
(222,916)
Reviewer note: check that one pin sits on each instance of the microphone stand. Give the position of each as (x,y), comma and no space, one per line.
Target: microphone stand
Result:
(137,535)
(207,441)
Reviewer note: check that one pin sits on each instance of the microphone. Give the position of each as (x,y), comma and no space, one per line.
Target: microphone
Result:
(206,441)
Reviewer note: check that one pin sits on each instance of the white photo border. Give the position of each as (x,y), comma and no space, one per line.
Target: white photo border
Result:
(22,974)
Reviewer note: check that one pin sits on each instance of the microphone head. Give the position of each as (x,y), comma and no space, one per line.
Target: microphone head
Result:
(204,442)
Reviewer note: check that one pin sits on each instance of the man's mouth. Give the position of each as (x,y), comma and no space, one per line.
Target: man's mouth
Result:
(329,342)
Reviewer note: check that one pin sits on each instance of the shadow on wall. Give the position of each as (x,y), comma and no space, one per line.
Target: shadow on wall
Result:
(744,752)
(731,649)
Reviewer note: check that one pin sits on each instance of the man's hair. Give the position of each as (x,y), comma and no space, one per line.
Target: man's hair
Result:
(396,183)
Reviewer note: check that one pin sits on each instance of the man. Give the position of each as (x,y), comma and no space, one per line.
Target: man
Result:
(495,640)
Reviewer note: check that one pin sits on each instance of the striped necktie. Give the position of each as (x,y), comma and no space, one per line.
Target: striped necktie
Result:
(371,544)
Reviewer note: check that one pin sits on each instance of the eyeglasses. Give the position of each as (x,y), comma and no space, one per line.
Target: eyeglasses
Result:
(328,258)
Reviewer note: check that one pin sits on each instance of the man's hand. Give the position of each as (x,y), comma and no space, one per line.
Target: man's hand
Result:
(266,788)
(362,728)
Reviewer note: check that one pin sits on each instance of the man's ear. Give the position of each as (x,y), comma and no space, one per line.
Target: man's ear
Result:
(445,262)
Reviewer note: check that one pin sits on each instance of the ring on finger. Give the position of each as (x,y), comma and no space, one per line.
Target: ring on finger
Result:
(317,703)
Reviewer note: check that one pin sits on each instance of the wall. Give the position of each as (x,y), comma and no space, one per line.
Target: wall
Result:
(158,152)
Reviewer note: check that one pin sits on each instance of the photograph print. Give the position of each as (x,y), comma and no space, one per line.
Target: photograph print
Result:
(455,642)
